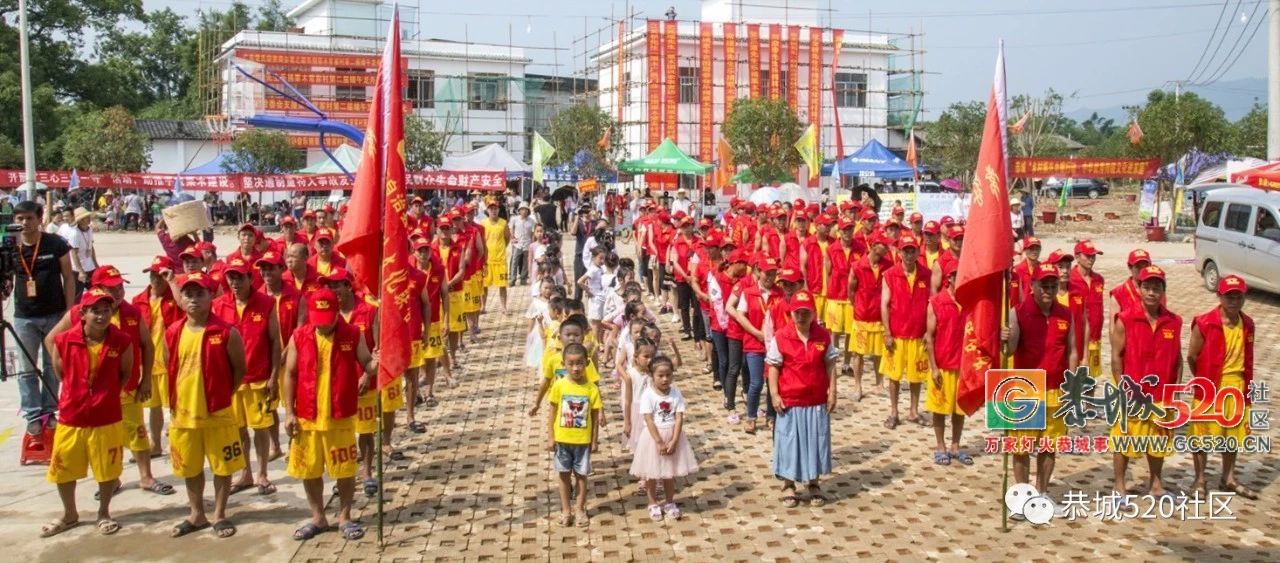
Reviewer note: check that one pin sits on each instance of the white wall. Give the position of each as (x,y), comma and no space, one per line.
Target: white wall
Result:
(171,156)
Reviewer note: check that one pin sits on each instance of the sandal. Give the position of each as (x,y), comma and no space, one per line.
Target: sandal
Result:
(308,531)
(97,495)
(417,427)
(891,422)
(1201,491)
(431,401)
(108,526)
(581,520)
(963,458)
(396,455)
(655,513)
(816,498)
(565,520)
(239,487)
(672,511)
(351,531)
(1239,489)
(370,487)
(56,527)
(267,489)
(224,529)
(159,487)
(186,527)
(922,420)
(791,500)
(941,458)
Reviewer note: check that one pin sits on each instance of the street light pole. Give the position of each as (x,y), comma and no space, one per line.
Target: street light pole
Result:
(28,134)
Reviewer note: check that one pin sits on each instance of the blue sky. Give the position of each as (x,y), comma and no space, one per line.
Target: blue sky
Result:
(1109,52)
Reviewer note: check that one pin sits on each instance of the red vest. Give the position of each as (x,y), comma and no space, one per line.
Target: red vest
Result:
(909,305)
(803,379)
(417,281)
(944,258)
(772,241)
(434,273)
(344,371)
(759,305)
(948,331)
(1212,356)
(1127,297)
(253,326)
(683,249)
(130,320)
(1091,292)
(451,266)
(813,274)
(734,330)
(169,309)
(362,318)
(792,260)
(1042,343)
(335,262)
(1152,349)
(286,311)
(866,299)
(85,401)
(215,366)
(842,259)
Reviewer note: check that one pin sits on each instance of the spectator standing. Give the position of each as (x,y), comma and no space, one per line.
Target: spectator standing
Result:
(546,212)
(1028,213)
(85,258)
(132,211)
(43,288)
(682,203)
(521,237)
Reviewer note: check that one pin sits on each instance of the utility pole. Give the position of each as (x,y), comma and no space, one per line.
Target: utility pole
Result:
(1273,83)
(28,134)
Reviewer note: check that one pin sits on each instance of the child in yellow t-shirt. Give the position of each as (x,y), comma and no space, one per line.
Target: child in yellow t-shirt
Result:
(572,331)
(573,431)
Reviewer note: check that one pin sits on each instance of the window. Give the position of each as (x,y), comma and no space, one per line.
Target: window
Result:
(487,92)
(782,83)
(421,89)
(482,144)
(851,90)
(350,92)
(1237,217)
(626,88)
(1266,225)
(688,85)
(1212,215)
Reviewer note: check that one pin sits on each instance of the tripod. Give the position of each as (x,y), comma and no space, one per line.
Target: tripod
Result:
(6,328)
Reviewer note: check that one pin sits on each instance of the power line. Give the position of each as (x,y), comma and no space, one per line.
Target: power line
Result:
(1227,66)
(1211,36)
(1074,43)
(1244,29)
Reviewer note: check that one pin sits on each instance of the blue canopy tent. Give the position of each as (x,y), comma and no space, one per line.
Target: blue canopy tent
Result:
(874,159)
(212,167)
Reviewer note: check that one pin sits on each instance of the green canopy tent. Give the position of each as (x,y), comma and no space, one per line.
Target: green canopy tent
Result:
(668,159)
(347,154)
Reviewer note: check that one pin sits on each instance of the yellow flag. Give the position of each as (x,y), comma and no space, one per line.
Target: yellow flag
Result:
(808,147)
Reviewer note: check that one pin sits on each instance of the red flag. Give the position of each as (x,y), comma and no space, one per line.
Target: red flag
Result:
(1016,128)
(987,253)
(375,235)
(1135,133)
(912,157)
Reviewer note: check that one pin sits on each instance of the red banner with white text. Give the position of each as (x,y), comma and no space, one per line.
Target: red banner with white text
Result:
(1044,167)
(815,80)
(793,66)
(438,180)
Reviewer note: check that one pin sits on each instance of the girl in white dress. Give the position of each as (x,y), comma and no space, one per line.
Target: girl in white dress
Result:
(662,452)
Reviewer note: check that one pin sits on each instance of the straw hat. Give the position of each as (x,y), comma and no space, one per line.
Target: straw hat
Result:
(80,214)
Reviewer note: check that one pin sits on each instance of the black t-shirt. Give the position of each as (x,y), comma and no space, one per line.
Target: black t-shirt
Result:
(546,215)
(49,299)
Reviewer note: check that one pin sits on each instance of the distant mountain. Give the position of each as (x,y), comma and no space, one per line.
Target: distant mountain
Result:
(1235,97)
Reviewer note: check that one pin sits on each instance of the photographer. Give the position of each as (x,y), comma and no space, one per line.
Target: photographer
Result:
(43,288)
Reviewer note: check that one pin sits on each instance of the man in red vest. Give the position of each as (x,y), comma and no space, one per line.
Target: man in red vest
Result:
(327,366)
(944,339)
(1126,295)
(206,364)
(838,263)
(1146,349)
(298,271)
(1089,285)
(289,315)
(1221,351)
(904,306)
(92,361)
(867,335)
(159,309)
(253,314)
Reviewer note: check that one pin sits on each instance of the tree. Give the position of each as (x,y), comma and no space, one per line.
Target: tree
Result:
(424,145)
(956,136)
(10,153)
(153,63)
(261,151)
(1173,124)
(273,17)
(578,128)
(106,141)
(1045,122)
(1249,134)
(761,132)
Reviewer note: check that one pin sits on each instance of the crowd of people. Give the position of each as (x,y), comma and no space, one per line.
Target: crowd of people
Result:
(273,348)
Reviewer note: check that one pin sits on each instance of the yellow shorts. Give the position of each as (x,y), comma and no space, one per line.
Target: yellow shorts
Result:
(1138,428)
(418,355)
(159,389)
(1054,427)
(868,338)
(367,406)
(435,341)
(941,399)
(838,316)
(220,445)
(76,450)
(1093,358)
(475,293)
(908,362)
(495,274)
(313,452)
(251,408)
(135,427)
(457,308)
(1230,408)
(819,307)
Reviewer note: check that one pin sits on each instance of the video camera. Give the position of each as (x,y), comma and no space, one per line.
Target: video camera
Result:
(9,253)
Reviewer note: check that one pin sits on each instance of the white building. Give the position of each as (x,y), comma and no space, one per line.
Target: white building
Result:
(331,57)
(177,146)
(862,80)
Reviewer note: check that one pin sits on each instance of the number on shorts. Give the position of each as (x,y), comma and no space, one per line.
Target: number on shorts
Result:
(366,413)
(342,455)
(231,452)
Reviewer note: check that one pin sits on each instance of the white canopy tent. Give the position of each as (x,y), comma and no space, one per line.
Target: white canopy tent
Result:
(490,158)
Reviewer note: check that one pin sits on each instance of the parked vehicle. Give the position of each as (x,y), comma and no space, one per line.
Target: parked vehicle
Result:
(1080,187)
(1239,233)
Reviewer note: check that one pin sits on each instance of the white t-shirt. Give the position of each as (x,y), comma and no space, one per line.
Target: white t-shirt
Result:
(82,242)
(773,356)
(595,281)
(663,407)
(537,308)
(587,246)
(521,231)
(682,204)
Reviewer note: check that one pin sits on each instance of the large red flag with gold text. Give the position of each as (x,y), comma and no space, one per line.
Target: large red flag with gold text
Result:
(375,236)
(987,253)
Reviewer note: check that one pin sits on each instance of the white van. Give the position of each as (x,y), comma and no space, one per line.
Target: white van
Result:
(1239,233)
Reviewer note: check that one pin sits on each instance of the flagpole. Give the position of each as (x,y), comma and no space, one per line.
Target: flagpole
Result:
(1004,364)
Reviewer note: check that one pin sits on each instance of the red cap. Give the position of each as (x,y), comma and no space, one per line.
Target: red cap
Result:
(950,267)
(909,241)
(237,265)
(898,210)
(831,210)
(93,296)
(812,209)
(957,231)
(416,199)
(1045,271)
(288,220)
(714,240)
(309,214)
(705,223)
(323,234)
(1087,248)
(767,264)
(1030,242)
(207,246)
(798,203)
(800,215)
(270,258)
(846,205)
(160,263)
(916,217)
(422,243)
(932,228)
(107,276)
(1231,284)
(801,300)
(189,252)
(197,278)
(1138,256)
(444,223)
(824,220)
(328,208)
(946,221)
(322,307)
(847,224)
(248,227)
(790,275)
(1151,273)
(338,275)
(739,256)
(1058,256)
(870,214)
(685,221)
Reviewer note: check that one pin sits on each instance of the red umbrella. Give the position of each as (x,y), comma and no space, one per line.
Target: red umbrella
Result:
(1266,176)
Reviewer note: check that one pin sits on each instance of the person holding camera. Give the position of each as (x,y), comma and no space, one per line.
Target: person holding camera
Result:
(43,287)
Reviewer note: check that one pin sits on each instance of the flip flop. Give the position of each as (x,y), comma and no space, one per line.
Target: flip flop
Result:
(107,526)
(565,520)
(307,531)
(791,500)
(941,458)
(581,520)
(159,487)
(655,513)
(891,422)
(224,529)
(370,487)
(816,498)
(240,487)
(267,489)
(921,420)
(963,458)
(186,527)
(56,527)
(417,427)
(1239,489)
(351,531)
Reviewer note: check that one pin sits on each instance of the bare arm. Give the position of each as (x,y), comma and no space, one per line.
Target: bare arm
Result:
(290,383)
(68,279)
(235,353)
(930,332)
(148,360)
(1194,348)
(273,332)
(884,316)
(1117,350)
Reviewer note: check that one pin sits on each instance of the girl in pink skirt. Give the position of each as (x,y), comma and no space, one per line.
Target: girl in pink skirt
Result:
(662,451)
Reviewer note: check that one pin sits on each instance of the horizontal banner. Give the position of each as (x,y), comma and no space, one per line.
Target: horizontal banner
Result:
(438,180)
(354,107)
(312,140)
(1039,167)
(308,59)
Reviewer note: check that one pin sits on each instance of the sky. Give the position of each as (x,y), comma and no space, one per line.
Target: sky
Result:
(1107,53)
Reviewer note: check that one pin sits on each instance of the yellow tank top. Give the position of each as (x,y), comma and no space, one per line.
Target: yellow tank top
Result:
(157,338)
(1233,362)
(323,267)
(1064,299)
(931,258)
(191,410)
(493,235)
(95,350)
(324,349)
